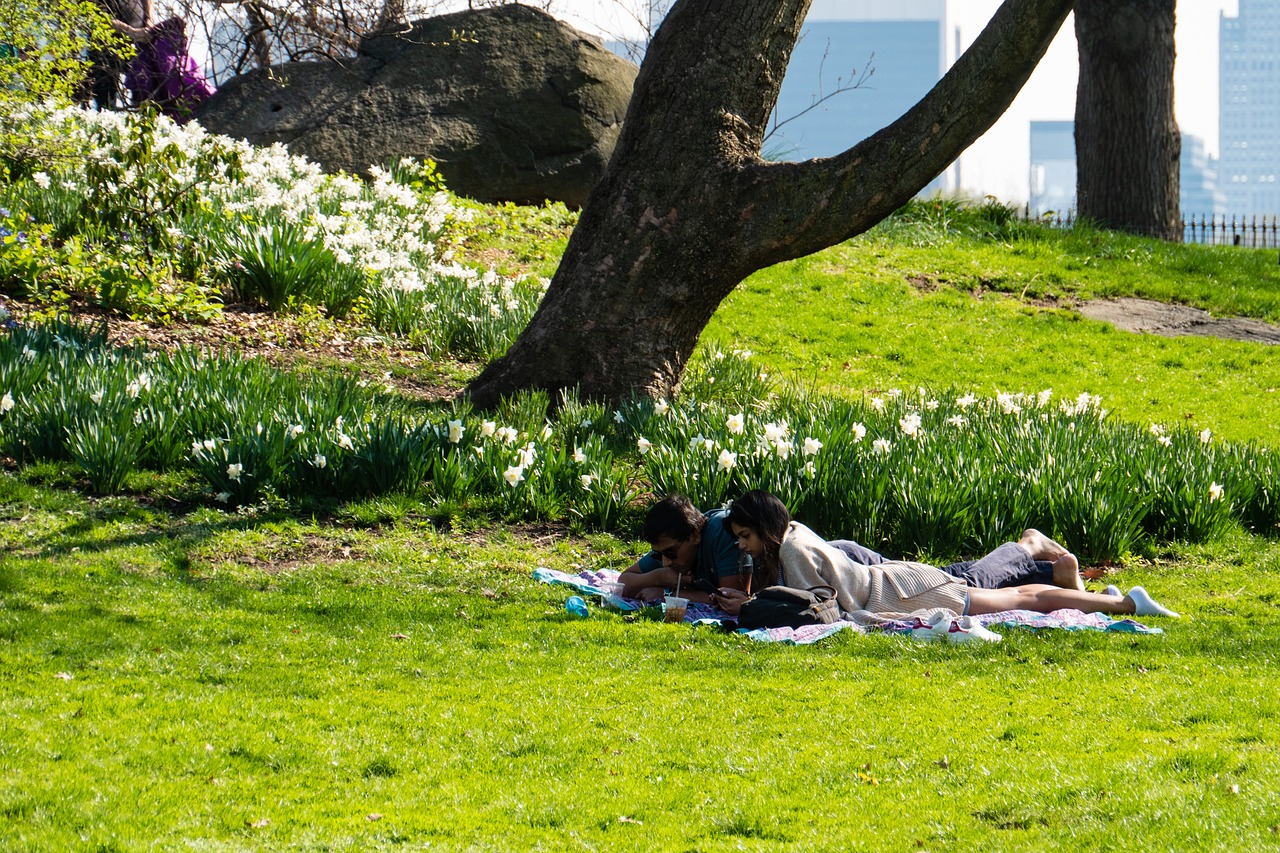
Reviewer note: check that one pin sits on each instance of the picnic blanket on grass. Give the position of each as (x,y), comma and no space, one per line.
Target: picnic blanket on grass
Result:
(590,582)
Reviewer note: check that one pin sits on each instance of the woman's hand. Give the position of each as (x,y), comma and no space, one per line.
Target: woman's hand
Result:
(729,600)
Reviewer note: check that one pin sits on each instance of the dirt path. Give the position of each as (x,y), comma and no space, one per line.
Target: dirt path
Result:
(1158,318)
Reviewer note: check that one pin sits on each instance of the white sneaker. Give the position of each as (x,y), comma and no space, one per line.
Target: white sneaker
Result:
(966,629)
(1113,590)
(934,629)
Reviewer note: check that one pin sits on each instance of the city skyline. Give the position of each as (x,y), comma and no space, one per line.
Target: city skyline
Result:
(999,163)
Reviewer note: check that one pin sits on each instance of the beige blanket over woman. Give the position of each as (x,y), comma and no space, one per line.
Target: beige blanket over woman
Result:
(894,589)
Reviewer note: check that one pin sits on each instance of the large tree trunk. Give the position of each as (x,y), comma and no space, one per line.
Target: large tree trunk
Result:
(687,208)
(1127,142)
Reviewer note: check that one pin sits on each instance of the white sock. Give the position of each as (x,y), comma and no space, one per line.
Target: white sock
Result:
(1145,605)
(1113,590)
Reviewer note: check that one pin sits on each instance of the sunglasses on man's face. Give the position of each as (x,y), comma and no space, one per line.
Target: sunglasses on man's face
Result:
(669,554)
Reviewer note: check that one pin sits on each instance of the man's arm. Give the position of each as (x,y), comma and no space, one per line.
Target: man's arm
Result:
(646,585)
(652,584)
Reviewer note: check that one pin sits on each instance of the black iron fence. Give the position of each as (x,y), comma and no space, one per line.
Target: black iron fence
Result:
(1257,232)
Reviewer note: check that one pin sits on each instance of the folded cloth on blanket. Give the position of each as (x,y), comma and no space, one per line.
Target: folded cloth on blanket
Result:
(591,583)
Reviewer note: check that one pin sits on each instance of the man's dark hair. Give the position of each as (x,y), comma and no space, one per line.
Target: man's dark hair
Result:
(674,516)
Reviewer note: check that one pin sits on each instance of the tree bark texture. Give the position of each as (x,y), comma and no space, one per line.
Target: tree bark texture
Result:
(1127,141)
(688,208)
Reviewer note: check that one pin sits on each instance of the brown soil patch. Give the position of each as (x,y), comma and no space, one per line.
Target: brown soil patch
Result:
(923,283)
(1158,318)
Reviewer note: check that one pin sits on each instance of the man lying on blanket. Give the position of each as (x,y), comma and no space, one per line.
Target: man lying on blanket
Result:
(699,551)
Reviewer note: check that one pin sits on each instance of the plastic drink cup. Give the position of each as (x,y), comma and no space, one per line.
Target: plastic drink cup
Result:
(673,608)
(613,594)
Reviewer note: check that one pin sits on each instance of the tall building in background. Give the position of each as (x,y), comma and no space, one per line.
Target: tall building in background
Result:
(1199,186)
(1249,111)
(1053,173)
(898,51)
(1053,167)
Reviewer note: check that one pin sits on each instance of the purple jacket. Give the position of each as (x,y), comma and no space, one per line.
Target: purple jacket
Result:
(165,73)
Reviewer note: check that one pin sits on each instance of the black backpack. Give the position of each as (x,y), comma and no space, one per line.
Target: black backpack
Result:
(784,607)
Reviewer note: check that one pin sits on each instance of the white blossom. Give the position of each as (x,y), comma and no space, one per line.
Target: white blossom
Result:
(319,461)
(296,430)
(811,446)
(966,401)
(514,475)
(726,460)
(882,446)
(456,429)
(1215,492)
(586,480)
(1206,436)
(222,497)
(579,455)
(859,432)
(644,445)
(910,425)
(877,403)
(344,441)
(234,470)
(958,421)
(735,424)
(487,428)
(1008,403)
(661,407)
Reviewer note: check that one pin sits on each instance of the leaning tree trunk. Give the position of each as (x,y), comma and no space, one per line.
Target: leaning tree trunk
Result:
(1127,142)
(688,208)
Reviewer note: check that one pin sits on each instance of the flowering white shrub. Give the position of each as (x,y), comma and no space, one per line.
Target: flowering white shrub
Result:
(195,198)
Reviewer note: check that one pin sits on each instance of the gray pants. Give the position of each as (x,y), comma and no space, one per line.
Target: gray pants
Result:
(1008,565)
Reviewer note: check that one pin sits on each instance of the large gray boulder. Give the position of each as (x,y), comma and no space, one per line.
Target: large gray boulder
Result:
(512,104)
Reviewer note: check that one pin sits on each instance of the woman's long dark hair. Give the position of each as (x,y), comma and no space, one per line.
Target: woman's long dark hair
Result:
(769,518)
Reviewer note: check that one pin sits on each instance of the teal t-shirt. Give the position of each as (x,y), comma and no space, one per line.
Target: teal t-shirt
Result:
(717,552)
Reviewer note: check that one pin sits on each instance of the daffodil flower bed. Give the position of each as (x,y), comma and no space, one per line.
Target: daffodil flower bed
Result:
(151,218)
(915,472)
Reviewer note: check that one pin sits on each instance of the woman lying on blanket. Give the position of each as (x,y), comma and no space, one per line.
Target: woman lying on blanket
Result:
(787,553)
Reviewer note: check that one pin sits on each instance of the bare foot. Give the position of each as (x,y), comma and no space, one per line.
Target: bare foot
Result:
(1066,573)
(1041,546)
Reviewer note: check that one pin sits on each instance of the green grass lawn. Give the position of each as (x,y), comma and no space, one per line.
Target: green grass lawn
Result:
(179,677)
(218,683)
(866,328)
